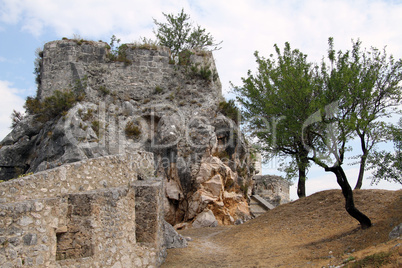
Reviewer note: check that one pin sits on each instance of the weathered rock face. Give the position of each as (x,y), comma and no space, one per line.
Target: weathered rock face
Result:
(146,104)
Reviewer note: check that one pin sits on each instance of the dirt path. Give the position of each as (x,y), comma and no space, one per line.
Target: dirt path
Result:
(312,232)
(202,251)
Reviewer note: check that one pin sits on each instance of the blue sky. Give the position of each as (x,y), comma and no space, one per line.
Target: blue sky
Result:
(244,26)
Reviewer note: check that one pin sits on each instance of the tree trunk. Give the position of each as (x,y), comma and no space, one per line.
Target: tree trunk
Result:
(302,164)
(301,185)
(361,171)
(347,192)
(362,160)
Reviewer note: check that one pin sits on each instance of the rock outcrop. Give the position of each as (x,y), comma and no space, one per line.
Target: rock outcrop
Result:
(146,103)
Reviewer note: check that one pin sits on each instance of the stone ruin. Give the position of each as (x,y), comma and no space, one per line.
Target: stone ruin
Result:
(93,198)
(200,153)
(93,213)
(273,189)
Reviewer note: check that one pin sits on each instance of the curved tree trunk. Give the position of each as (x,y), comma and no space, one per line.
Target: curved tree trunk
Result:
(347,192)
(363,159)
(361,172)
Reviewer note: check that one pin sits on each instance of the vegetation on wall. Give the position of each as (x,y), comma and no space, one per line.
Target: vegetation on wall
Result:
(51,107)
(229,109)
(178,34)
(132,130)
(38,65)
(16,117)
(118,52)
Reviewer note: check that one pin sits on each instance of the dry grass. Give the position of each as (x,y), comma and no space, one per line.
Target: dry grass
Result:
(312,232)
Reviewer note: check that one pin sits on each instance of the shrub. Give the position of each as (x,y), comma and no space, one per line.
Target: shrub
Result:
(16,117)
(104,90)
(118,53)
(179,34)
(132,130)
(38,65)
(230,110)
(158,90)
(184,57)
(51,107)
(96,126)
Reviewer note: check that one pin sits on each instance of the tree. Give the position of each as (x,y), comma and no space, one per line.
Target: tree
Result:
(335,123)
(179,35)
(311,113)
(276,101)
(373,93)
(388,165)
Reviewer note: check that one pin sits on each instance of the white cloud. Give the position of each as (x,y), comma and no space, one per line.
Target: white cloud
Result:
(8,102)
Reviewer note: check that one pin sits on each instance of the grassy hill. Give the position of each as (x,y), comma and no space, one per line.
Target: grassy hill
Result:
(315,231)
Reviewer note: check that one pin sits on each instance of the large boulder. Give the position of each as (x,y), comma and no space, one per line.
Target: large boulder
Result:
(205,219)
(172,238)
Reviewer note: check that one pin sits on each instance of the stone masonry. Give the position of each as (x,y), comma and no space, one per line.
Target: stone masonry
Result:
(273,189)
(93,213)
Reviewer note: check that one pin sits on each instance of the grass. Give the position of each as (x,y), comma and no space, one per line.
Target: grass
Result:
(301,234)
(375,260)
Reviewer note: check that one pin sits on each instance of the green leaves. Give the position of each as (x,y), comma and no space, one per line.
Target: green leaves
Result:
(179,35)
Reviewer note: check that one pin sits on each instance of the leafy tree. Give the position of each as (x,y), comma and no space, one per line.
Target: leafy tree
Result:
(277,100)
(179,35)
(315,111)
(388,165)
(373,93)
(334,124)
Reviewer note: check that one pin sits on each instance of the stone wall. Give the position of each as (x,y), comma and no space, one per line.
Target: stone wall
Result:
(103,227)
(67,62)
(273,189)
(86,175)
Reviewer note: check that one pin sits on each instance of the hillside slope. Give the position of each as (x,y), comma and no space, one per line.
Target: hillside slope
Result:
(312,232)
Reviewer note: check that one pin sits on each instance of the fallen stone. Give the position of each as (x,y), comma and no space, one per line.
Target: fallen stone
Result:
(205,219)
(172,238)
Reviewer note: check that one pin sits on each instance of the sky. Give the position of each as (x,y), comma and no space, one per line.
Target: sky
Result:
(244,26)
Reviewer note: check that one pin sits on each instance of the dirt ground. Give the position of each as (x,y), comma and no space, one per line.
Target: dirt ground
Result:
(315,231)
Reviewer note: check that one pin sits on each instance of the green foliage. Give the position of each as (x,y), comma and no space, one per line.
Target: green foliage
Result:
(201,71)
(229,109)
(104,90)
(158,90)
(96,126)
(375,260)
(51,107)
(179,35)
(54,106)
(289,101)
(38,65)
(366,85)
(184,57)
(388,165)
(132,130)
(16,117)
(118,53)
